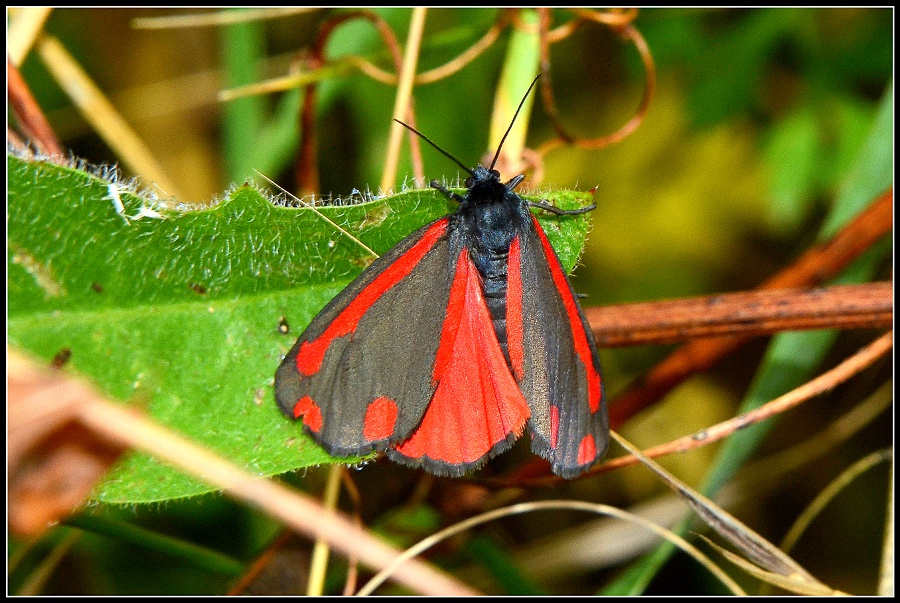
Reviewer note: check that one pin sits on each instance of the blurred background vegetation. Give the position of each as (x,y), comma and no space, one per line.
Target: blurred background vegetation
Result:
(757,118)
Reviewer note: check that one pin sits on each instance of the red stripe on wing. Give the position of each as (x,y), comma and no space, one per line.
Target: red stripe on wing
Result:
(514,328)
(477,403)
(582,347)
(311,353)
(554,426)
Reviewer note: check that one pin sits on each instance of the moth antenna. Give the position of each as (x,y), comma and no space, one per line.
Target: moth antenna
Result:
(509,129)
(435,145)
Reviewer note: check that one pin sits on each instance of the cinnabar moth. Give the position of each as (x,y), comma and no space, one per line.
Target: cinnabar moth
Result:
(447,347)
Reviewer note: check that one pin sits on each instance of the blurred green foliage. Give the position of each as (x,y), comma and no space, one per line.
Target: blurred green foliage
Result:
(759,120)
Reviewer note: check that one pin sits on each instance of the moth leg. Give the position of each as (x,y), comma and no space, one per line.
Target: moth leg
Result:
(514,182)
(562,212)
(446,191)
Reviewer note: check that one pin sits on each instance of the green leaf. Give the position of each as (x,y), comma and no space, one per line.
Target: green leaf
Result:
(243,47)
(794,155)
(871,174)
(178,311)
(497,561)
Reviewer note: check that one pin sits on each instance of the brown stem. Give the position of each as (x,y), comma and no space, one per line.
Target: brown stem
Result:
(748,313)
(307,164)
(307,167)
(259,565)
(815,266)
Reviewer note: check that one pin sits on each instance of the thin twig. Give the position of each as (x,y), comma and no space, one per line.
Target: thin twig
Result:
(307,163)
(447,69)
(554,505)
(259,564)
(821,384)
(352,560)
(344,64)
(28,112)
(467,56)
(621,23)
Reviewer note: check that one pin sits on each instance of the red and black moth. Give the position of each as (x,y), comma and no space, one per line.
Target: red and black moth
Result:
(450,345)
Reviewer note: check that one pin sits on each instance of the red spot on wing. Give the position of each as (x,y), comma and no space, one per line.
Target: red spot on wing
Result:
(311,353)
(381,416)
(311,413)
(582,347)
(514,326)
(587,450)
(477,403)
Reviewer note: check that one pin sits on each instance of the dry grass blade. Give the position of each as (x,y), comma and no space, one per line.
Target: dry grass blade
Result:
(554,505)
(316,211)
(402,99)
(288,82)
(886,580)
(319,563)
(792,583)
(813,509)
(24,28)
(756,475)
(345,64)
(218,18)
(42,574)
(53,462)
(305,515)
(763,552)
(102,115)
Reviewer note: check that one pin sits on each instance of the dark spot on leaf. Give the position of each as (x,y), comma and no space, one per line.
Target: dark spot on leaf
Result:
(61,358)
(374,217)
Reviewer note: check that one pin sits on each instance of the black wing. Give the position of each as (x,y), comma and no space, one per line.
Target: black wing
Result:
(361,373)
(554,357)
